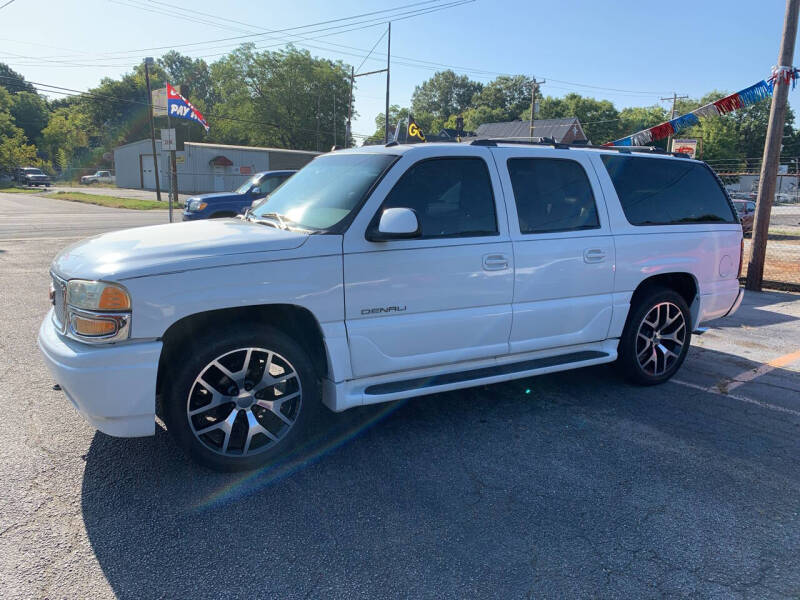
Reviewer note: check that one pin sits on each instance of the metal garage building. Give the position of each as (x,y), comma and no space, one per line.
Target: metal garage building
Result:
(201,167)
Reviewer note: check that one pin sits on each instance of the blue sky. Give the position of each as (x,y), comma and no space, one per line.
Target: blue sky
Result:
(595,48)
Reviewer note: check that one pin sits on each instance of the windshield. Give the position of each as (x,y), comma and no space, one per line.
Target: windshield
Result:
(242,189)
(326,190)
(34,171)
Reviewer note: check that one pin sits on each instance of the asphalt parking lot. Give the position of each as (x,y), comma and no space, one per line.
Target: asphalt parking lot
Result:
(568,485)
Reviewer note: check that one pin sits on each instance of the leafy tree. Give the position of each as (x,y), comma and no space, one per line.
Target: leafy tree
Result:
(14,82)
(30,113)
(506,96)
(66,132)
(444,94)
(15,151)
(473,117)
(285,98)
(396,114)
(193,74)
(599,118)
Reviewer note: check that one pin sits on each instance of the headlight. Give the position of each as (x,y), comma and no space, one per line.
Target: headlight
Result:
(97,295)
(97,311)
(195,204)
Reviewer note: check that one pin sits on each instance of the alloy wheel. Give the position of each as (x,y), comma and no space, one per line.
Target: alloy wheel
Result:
(244,402)
(660,338)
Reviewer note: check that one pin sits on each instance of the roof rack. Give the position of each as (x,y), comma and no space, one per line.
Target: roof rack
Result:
(548,141)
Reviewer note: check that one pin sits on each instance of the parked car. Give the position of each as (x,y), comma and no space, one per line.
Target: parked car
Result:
(381,273)
(98,177)
(746,209)
(230,204)
(32,176)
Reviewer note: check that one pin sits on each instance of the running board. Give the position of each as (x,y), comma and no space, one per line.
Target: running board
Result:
(394,387)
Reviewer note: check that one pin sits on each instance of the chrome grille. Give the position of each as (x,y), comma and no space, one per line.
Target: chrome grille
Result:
(60,302)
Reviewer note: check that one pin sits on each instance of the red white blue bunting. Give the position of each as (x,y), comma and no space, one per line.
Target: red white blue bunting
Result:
(751,95)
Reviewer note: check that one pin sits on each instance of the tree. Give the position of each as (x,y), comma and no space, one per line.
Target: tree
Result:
(14,82)
(30,113)
(599,118)
(191,73)
(506,96)
(65,134)
(285,98)
(444,94)
(396,114)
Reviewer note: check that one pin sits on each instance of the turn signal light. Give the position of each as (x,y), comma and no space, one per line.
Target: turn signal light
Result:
(113,298)
(93,327)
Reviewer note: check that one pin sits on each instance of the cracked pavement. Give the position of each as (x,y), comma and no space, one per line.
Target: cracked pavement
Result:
(568,485)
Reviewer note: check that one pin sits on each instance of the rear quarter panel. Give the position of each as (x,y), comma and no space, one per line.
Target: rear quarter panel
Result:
(710,253)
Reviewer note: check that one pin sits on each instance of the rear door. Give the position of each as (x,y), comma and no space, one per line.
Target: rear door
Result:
(563,249)
(444,297)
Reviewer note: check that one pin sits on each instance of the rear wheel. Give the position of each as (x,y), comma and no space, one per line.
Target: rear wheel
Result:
(249,397)
(656,338)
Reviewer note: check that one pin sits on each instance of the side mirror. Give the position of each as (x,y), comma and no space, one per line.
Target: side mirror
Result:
(396,224)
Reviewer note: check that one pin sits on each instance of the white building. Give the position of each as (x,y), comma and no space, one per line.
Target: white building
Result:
(201,167)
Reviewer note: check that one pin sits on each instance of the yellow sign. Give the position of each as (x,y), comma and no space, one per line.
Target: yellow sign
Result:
(415,131)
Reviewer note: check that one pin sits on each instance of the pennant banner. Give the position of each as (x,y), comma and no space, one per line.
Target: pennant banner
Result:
(181,108)
(751,95)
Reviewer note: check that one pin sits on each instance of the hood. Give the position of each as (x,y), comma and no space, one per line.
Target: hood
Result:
(218,196)
(159,249)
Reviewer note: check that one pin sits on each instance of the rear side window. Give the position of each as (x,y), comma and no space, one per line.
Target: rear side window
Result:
(552,195)
(667,192)
(451,196)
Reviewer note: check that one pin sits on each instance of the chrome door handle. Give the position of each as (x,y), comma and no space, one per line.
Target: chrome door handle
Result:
(594,255)
(495,262)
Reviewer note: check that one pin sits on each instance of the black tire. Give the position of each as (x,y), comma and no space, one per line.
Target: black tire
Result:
(632,346)
(193,359)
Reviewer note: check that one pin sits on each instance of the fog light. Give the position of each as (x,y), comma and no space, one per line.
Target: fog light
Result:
(93,327)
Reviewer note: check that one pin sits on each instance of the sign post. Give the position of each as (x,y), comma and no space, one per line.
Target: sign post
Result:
(168,142)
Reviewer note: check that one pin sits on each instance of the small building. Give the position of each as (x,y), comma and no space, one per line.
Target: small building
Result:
(201,167)
(567,131)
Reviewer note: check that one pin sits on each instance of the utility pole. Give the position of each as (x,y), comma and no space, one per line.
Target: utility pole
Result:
(772,151)
(674,114)
(534,88)
(334,116)
(147,63)
(347,132)
(388,61)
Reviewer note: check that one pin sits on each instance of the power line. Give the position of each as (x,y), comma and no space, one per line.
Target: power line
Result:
(6,4)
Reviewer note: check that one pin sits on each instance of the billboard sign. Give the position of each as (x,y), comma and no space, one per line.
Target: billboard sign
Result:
(686,146)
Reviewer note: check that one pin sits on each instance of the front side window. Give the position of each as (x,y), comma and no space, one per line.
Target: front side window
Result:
(552,195)
(326,190)
(657,191)
(451,196)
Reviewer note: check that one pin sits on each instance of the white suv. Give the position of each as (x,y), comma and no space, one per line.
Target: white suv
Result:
(382,273)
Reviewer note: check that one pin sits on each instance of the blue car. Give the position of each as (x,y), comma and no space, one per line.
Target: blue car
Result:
(230,204)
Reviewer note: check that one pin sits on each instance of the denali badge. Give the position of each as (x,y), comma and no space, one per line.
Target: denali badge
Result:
(382,309)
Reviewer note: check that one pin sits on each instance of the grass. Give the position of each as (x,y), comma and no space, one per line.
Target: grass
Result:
(110,201)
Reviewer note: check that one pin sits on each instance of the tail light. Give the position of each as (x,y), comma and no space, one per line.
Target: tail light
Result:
(741,258)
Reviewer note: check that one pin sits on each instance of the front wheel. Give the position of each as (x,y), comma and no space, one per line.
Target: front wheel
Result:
(656,337)
(250,396)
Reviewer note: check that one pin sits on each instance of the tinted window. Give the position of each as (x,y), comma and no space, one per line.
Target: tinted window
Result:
(451,196)
(552,195)
(665,192)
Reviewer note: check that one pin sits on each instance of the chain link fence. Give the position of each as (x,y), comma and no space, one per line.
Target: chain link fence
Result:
(741,178)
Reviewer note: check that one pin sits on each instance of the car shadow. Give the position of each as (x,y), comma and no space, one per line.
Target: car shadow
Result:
(561,485)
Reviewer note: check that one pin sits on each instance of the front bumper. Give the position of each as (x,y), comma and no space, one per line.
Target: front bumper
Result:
(112,386)
(194,216)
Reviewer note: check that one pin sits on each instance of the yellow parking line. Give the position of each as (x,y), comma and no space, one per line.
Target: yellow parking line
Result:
(784,360)
(747,376)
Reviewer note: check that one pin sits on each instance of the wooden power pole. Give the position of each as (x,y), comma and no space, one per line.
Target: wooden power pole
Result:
(147,63)
(674,114)
(772,150)
(534,88)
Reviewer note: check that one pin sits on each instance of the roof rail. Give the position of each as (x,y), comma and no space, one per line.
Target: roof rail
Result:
(548,141)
